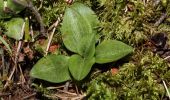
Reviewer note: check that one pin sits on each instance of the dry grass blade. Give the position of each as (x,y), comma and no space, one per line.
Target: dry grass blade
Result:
(166,88)
(6,45)
(52,34)
(16,58)
(29,96)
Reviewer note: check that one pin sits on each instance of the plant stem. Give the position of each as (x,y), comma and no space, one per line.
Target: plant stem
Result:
(34,10)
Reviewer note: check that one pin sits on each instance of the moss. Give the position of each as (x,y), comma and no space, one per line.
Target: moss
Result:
(2,26)
(139,80)
(130,21)
(127,20)
(50,10)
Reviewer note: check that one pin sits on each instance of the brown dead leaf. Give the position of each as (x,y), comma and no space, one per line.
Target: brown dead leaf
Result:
(53,48)
(114,71)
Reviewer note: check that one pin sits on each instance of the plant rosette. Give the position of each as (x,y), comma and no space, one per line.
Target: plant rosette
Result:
(80,39)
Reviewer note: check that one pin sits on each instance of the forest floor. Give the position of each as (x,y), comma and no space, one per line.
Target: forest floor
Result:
(143,74)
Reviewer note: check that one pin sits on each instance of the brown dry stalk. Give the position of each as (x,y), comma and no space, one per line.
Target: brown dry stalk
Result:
(16,58)
(52,34)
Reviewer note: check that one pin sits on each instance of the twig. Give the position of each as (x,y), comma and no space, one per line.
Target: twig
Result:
(66,86)
(166,88)
(22,76)
(161,19)
(77,89)
(34,10)
(9,97)
(16,57)
(66,97)
(55,96)
(4,94)
(29,96)
(166,57)
(41,4)
(15,65)
(79,97)
(52,97)
(3,61)
(51,36)
(57,87)
(61,97)
(67,92)
(38,17)
(53,25)
(51,88)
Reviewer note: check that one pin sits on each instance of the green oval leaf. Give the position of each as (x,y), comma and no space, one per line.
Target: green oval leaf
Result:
(78,30)
(111,50)
(14,28)
(52,68)
(87,14)
(11,8)
(80,67)
(16,7)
